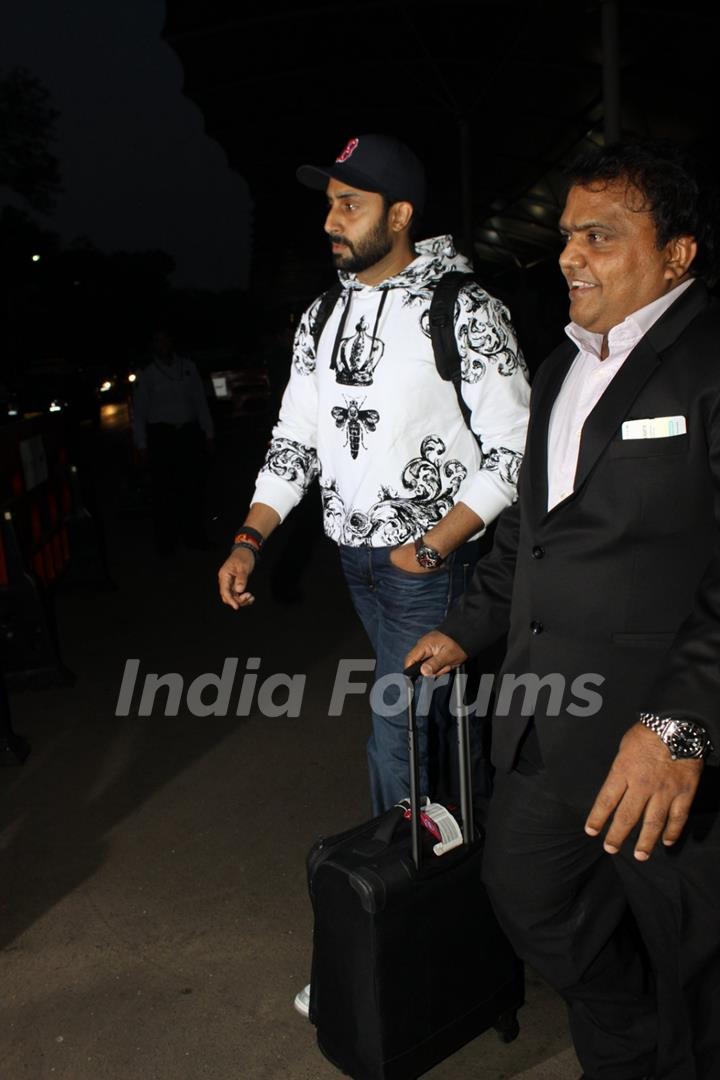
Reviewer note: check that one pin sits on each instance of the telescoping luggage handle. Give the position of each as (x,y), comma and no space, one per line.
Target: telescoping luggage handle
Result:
(463,736)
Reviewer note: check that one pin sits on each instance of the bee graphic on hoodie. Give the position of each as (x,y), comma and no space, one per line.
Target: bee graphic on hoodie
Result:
(356,421)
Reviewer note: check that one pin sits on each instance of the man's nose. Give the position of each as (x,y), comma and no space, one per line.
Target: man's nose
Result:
(572,255)
(332,224)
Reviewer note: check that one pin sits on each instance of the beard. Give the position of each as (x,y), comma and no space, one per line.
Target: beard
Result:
(363,254)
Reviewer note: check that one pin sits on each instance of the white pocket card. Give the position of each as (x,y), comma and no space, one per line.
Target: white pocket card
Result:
(659,427)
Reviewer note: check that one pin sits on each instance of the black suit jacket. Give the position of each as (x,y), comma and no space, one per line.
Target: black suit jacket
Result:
(621,579)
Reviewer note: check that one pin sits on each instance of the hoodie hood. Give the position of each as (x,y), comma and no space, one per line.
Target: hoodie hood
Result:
(433,258)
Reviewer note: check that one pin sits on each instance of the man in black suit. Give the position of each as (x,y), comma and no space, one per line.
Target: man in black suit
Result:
(603,850)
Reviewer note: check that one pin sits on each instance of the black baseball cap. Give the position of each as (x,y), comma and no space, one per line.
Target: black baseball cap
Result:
(373,163)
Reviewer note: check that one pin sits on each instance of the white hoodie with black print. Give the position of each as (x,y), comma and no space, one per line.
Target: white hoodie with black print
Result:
(370,415)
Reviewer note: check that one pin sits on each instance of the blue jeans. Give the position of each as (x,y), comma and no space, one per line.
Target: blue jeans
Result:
(396,608)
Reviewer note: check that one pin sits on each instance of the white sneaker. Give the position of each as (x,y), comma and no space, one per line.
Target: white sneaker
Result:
(302,1001)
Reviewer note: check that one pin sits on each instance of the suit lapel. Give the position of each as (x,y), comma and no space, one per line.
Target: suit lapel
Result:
(611,410)
(605,419)
(546,388)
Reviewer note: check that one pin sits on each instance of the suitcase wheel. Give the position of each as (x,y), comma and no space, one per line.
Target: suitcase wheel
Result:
(507,1026)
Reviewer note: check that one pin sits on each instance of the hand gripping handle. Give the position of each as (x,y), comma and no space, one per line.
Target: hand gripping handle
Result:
(463,735)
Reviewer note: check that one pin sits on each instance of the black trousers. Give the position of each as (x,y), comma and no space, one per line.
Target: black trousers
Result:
(177,462)
(634,948)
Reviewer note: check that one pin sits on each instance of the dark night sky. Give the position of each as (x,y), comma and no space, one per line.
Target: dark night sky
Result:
(138,171)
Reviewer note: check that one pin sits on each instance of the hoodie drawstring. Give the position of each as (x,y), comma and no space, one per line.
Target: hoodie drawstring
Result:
(343,319)
(338,336)
(381,305)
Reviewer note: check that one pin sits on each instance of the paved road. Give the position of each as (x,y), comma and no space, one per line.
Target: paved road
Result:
(154,917)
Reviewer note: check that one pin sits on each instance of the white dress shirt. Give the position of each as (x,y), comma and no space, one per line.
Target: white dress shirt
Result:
(586,382)
(169,393)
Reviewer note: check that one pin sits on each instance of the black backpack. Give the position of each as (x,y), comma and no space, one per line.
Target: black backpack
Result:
(442,328)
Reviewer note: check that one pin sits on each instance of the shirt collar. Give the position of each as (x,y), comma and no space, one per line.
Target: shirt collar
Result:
(629,332)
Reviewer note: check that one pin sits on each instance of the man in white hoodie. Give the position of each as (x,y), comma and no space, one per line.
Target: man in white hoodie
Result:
(407,481)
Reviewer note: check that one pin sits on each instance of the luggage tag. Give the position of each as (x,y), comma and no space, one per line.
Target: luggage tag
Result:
(440,823)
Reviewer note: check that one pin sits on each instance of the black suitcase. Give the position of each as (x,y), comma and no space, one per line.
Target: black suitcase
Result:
(409,962)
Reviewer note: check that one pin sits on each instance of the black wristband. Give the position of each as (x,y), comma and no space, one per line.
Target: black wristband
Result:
(251,532)
(250,547)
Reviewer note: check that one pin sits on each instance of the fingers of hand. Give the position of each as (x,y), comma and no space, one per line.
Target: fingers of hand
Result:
(433,666)
(657,795)
(232,588)
(663,819)
(445,654)
(425,649)
(628,813)
(403,558)
(435,671)
(226,593)
(235,602)
(418,652)
(439,653)
(437,665)
(676,822)
(607,800)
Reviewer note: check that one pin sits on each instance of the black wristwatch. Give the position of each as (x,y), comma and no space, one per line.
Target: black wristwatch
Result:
(683,738)
(427,557)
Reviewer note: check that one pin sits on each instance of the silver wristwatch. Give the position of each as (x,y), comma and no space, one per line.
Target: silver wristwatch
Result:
(683,738)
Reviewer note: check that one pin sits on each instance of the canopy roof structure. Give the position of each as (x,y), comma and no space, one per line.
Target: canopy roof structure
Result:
(494,95)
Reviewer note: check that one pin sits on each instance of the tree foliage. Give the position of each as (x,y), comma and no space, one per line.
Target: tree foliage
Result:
(28,166)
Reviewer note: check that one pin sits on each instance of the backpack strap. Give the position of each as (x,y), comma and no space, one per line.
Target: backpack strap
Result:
(328,300)
(442,334)
(442,323)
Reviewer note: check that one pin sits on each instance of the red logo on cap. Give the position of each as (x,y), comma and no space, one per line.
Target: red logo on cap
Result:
(348,151)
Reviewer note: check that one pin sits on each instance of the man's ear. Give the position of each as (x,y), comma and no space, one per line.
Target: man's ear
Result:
(681,252)
(400,216)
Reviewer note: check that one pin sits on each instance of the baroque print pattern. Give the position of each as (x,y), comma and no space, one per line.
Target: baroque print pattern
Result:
(290,460)
(504,462)
(485,335)
(396,518)
(304,347)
